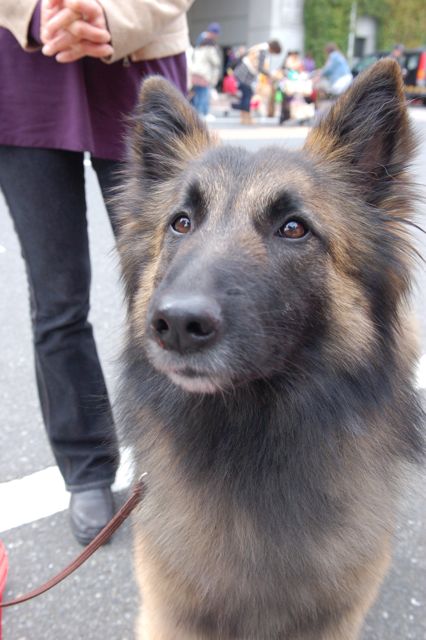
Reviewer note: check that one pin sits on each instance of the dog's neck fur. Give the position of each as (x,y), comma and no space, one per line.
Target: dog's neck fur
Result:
(219,435)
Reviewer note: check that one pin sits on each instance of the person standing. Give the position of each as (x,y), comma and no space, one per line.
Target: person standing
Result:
(70,70)
(291,69)
(246,72)
(308,62)
(397,54)
(335,76)
(205,68)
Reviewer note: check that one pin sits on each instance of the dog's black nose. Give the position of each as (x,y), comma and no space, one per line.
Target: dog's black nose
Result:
(186,324)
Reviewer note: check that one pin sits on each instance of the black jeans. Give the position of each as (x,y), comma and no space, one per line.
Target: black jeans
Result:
(45,193)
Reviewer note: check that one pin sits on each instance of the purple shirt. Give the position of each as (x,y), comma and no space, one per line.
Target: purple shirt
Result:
(79,106)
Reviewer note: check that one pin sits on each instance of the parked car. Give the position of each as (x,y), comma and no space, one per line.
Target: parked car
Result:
(413,63)
(415,74)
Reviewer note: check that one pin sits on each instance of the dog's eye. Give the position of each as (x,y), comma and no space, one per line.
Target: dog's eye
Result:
(292,229)
(181,224)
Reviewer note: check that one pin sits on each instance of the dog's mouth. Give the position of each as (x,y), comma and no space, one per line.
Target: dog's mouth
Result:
(202,372)
(192,372)
(195,382)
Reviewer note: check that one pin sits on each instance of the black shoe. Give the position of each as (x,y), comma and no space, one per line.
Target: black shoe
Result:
(90,511)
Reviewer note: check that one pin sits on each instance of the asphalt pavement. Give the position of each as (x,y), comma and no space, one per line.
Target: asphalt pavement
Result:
(100,601)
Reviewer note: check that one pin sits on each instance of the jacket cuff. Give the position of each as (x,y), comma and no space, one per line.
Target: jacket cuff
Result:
(16,18)
(124,27)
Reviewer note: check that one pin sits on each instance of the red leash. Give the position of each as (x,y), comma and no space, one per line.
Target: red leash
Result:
(102,537)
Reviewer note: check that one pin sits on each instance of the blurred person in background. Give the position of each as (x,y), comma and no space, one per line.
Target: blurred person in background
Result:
(290,71)
(247,71)
(397,54)
(309,62)
(70,70)
(335,76)
(295,84)
(205,68)
(293,63)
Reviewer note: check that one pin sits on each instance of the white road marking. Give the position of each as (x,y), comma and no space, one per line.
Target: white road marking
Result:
(2,249)
(43,494)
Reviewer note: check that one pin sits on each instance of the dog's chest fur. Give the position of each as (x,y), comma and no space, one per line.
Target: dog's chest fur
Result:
(250,534)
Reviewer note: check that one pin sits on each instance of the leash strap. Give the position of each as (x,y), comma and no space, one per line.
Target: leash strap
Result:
(102,537)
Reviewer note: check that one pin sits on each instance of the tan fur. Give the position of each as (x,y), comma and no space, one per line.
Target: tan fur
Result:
(184,512)
(153,623)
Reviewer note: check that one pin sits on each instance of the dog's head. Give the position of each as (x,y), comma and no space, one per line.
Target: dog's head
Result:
(240,266)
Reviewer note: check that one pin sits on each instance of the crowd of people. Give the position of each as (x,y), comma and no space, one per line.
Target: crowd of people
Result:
(255,84)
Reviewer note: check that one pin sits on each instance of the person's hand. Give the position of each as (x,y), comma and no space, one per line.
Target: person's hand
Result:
(48,9)
(72,29)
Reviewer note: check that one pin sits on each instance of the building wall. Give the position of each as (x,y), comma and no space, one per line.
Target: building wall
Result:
(366,28)
(233,16)
(286,23)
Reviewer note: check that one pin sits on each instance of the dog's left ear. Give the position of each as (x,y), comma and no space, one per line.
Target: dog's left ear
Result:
(368,131)
(165,132)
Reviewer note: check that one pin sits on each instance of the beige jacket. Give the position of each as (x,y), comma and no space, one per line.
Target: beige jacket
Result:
(206,63)
(140,29)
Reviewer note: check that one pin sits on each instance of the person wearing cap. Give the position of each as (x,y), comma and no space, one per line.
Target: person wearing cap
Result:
(213,31)
(205,66)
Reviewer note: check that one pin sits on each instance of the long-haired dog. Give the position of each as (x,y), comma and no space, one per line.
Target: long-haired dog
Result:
(268,378)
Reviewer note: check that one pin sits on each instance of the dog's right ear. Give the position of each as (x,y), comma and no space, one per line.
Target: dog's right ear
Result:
(368,132)
(165,132)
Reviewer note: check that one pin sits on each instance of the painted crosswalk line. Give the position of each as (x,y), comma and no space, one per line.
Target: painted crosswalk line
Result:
(42,494)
